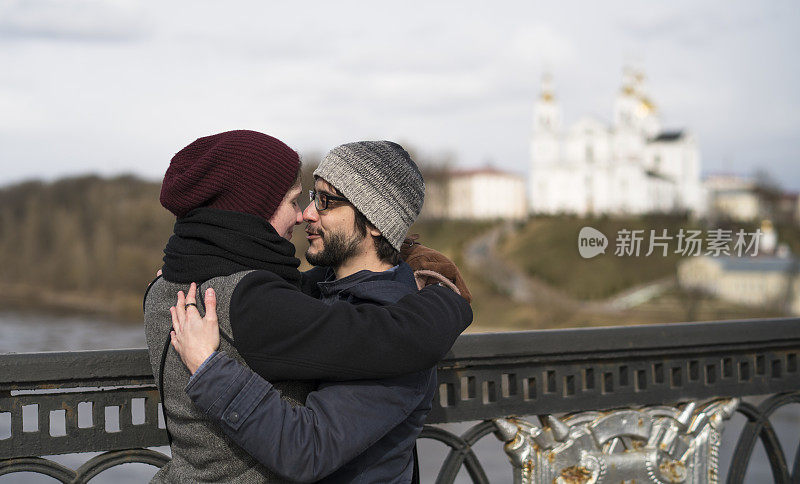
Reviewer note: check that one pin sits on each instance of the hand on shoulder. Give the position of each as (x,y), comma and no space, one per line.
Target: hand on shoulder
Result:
(432,267)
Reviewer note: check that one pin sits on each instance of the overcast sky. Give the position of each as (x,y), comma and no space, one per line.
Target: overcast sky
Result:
(120,86)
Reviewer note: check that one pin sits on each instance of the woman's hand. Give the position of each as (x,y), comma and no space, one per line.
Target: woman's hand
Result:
(194,337)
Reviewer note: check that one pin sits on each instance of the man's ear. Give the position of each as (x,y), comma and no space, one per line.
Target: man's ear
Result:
(374,232)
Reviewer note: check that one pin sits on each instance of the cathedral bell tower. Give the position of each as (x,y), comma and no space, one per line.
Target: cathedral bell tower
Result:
(633,110)
(625,105)
(635,117)
(546,126)
(545,148)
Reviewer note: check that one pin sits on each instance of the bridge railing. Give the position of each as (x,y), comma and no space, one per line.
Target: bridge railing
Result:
(612,404)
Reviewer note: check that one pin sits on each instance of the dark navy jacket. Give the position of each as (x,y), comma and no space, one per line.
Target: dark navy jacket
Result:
(356,431)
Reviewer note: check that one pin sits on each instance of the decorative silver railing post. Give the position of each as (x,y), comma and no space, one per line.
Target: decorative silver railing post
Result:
(651,444)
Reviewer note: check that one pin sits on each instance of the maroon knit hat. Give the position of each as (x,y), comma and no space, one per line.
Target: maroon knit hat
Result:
(243,171)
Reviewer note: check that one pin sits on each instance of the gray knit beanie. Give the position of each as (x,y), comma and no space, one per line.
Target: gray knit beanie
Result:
(381,180)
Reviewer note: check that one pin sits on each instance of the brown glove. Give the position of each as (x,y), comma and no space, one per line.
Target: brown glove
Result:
(429,264)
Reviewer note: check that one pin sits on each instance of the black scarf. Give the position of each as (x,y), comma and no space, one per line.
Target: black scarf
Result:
(209,242)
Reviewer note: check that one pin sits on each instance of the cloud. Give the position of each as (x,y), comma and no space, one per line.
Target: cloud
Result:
(697,25)
(76,20)
(28,115)
(544,44)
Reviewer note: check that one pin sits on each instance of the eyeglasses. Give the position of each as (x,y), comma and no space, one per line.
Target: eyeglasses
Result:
(321,199)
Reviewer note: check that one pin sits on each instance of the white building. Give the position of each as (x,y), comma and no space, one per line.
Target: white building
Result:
(630,167)
(789,208)
(733,197)
(758,281)
(484,194)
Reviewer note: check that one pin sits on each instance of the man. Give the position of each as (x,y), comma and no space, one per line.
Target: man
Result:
(235,198)
(366,195)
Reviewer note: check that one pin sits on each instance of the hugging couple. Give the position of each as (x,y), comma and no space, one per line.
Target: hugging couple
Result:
(269,374)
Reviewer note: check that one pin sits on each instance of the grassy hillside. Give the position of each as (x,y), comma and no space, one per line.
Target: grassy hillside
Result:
(449,236)
(547,248)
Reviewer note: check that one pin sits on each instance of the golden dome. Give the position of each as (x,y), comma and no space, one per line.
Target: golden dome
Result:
(647,105)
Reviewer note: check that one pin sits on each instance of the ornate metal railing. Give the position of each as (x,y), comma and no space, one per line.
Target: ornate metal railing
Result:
(643,403)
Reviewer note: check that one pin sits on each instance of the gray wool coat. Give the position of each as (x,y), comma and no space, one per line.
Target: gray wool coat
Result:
(201,452)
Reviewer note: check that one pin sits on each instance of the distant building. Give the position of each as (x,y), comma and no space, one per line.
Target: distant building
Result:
(768,242)
(435,206)
(732,197)
(484,194)
(757,281)
(789,208)
(630,167)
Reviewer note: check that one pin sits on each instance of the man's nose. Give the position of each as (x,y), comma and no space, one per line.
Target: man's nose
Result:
(310,213)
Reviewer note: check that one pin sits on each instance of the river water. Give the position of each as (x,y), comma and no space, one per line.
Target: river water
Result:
(23,332)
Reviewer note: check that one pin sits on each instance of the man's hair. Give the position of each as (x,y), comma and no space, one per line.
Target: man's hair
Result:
(386,252)
(384,249)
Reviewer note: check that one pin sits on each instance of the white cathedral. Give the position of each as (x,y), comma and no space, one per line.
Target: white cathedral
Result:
(630,167)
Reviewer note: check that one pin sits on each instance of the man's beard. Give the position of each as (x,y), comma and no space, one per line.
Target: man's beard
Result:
(336,249)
